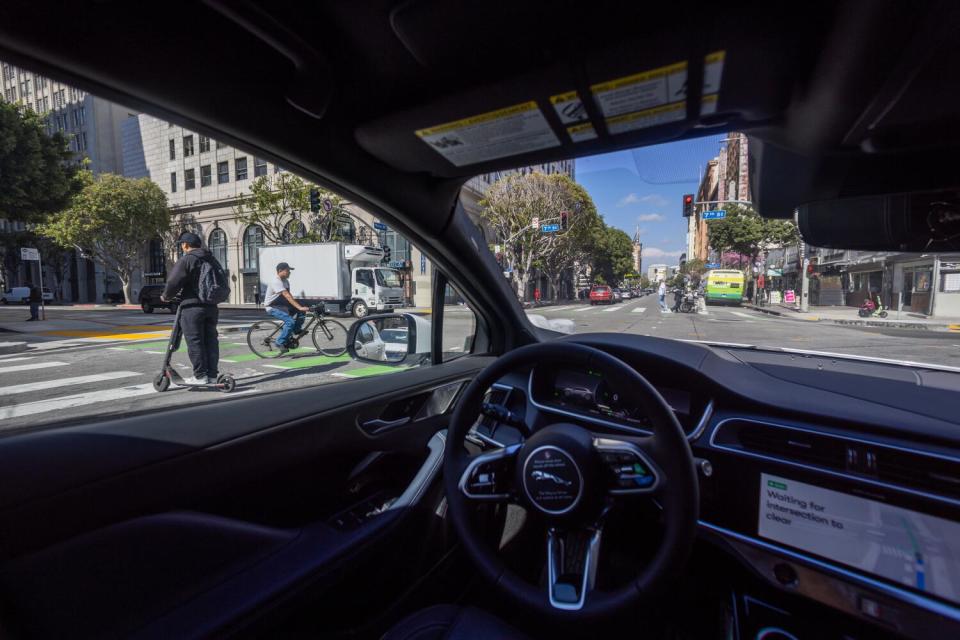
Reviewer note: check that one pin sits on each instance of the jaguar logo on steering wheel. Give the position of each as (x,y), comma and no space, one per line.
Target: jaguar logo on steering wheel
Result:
(543,475)
(552,480)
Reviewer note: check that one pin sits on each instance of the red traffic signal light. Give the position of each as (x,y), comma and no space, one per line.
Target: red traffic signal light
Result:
(688,205)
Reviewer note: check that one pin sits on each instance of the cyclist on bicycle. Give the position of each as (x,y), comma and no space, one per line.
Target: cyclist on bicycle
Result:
(281,305)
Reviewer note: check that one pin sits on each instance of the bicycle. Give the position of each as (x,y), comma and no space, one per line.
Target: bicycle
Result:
(329,336)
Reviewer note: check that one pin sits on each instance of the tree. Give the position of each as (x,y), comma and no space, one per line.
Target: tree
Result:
(745,233)
(37,176)
(612,253)
(644,282)
(510,207)
(280,205)
(110,221)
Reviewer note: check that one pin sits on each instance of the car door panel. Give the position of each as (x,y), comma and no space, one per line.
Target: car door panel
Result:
(272,477)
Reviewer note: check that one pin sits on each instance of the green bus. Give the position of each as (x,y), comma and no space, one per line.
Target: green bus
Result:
(724,285)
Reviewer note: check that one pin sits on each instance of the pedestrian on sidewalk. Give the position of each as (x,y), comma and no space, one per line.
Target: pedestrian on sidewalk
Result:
(36,297)
(662,294)
(198,311)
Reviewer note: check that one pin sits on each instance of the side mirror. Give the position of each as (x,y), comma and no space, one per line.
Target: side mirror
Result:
(391,338)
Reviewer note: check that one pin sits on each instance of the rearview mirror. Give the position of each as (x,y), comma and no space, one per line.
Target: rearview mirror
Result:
(390,338)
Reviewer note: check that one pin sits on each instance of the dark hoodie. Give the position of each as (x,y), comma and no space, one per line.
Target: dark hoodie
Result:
(185,276)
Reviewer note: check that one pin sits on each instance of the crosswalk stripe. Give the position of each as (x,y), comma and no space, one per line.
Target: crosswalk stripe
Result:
(30,367)
(638,310)
(63,382)
(612,309)
(584,309)
(744,315)
(76,400)
(20,359)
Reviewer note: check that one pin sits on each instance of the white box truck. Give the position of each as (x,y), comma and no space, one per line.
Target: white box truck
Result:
(347,278)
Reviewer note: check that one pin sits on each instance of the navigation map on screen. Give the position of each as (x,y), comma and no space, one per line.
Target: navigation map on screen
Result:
(914,549)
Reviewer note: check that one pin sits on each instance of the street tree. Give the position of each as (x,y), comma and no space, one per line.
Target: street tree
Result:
(745,233)
(510,208)
(611,253)
(280,205)
(110,221)
(37,176)
(694,269)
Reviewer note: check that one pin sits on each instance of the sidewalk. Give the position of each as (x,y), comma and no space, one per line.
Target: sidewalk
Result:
(848,316)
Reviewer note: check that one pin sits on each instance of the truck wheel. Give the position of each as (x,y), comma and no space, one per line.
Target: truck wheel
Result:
(360,310)
(147,307)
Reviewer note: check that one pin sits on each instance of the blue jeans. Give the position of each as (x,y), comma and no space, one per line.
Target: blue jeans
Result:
(291,324)
(663,303)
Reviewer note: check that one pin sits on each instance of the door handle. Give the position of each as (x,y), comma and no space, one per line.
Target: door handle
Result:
(378,425)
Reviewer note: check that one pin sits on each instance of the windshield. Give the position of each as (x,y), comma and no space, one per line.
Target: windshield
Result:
(681,215)
(388,278)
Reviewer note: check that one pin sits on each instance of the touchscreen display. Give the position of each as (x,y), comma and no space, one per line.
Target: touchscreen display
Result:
(913,549)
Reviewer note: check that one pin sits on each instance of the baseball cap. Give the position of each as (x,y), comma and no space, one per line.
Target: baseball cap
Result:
(282,266)
(191,239)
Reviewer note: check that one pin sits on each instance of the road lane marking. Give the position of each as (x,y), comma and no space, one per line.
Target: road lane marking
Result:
(744,315)
(62,382)
(77,400)
(31,367)
(584,309)
(638,310)
(20,359)
(611,309)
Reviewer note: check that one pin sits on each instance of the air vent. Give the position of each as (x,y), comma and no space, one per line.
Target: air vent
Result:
(908,468)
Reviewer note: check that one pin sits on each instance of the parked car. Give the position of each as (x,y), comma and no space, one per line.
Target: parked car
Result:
(601,294)
(150,299)
(21,295)
(617,296)
(626,294)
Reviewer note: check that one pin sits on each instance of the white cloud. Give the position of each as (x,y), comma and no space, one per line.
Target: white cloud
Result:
(654,252)
(650,217)
(651,199)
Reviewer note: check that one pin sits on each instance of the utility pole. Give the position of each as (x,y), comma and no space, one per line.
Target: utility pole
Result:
(804,279)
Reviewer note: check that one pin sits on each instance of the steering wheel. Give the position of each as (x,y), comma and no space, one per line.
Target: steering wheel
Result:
(570,477)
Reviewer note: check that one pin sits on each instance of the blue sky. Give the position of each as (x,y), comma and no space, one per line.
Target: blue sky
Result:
(645,187)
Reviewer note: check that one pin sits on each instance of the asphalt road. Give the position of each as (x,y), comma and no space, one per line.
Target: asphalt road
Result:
(74,376)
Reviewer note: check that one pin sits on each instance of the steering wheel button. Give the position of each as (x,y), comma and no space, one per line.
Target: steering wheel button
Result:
(563,592)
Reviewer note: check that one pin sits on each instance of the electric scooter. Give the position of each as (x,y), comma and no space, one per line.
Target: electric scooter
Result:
(168,375)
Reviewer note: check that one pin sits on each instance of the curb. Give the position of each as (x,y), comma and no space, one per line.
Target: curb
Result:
(890,324)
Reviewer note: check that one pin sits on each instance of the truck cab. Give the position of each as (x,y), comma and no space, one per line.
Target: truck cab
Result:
(375,288)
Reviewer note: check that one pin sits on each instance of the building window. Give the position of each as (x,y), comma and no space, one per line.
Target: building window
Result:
(204,144)
(220,145)
(187,146)
(223,172)
(206,177)
(293,230)
(81,139)
(252,241)
(157,262)
(189,179)
(62,122)
(43,104)
(950,282)
(10,95)
(59,99)
(240,168)
(7,72)
(25,88)
(173,182)
(218,246)
(173,149)
(259,167)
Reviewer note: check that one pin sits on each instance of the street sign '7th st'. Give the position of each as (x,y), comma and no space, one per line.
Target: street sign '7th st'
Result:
(550,228)
(714,215)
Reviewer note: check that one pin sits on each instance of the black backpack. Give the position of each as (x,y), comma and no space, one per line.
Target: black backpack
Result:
(212,287)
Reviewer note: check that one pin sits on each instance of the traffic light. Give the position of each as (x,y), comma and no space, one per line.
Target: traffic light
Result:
(386,254)
(315,200)
(563,220)
(688,205)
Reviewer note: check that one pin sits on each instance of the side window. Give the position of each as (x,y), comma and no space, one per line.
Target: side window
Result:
(365,277)
(459,325)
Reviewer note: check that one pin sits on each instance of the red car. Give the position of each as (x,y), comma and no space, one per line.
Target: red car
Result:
(601,294)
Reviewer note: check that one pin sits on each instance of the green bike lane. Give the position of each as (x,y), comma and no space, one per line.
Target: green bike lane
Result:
(302,358)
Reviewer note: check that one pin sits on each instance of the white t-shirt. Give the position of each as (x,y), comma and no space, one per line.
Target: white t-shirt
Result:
(662,289)
(274,296)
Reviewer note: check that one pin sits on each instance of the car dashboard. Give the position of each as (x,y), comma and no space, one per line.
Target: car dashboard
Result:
(833,479)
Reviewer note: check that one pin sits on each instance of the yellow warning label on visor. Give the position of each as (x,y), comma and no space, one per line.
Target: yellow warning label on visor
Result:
(510,131)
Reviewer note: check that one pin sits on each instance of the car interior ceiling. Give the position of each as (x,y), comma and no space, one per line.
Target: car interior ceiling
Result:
(262,520)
